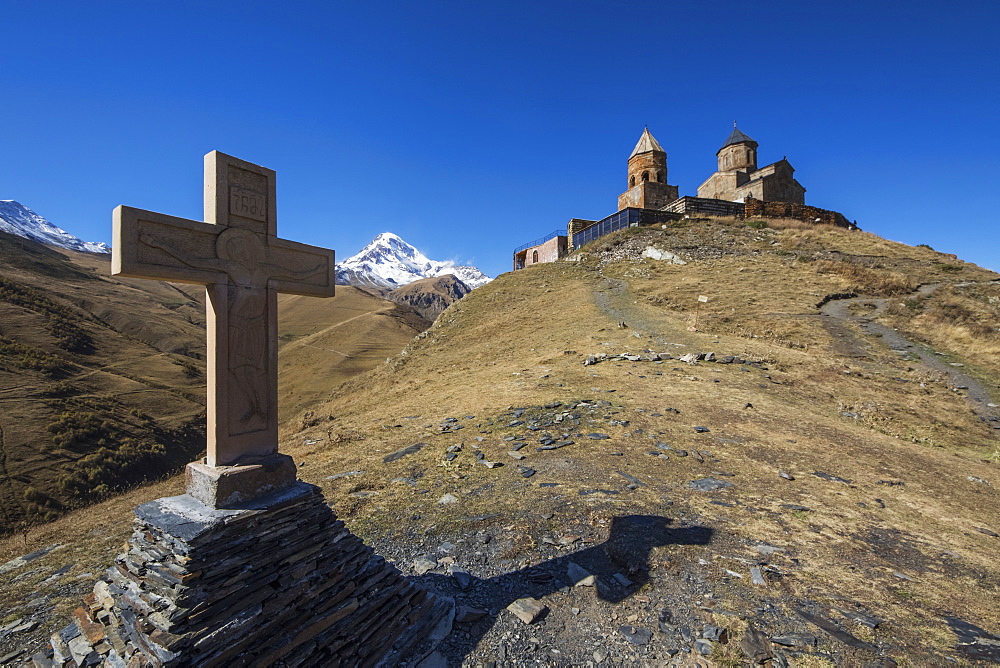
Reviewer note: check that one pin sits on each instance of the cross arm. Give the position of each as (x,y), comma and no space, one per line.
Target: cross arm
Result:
(300,269)
(166,248)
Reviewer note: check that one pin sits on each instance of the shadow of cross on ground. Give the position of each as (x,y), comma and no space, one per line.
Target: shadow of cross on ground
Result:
(626,552)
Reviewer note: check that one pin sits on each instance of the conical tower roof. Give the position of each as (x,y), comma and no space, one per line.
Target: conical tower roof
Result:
(647,143)
(737,137)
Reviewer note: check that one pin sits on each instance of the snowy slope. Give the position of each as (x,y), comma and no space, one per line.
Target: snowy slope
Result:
(15,218)
(390,262)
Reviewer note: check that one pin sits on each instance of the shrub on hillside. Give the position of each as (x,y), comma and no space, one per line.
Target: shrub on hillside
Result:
(60,319)
(26,357)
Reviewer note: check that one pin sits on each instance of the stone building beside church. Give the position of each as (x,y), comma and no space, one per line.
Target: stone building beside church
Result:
(738,189)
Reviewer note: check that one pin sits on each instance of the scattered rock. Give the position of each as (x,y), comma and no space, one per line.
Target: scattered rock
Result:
(862,618)
(597,436)
(622,580)
(631,478)
(527,609)
(525,471)
(661,255)
(987,532)
(424,564)
(702,430)
(577,574)
(402,452)
(448,498)
(709,485)
(467,614)
(28,558)
(795,506)
(345,474)
(786,476)
(794,640)
(462,578)
(636,635)
(703,647)
(756,646)
(830,477)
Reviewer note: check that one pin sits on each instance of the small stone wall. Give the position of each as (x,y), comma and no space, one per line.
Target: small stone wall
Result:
(755,208)
(281,582)
(705,206)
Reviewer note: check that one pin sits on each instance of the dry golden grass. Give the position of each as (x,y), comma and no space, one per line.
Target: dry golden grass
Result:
(520,340)
(960,319)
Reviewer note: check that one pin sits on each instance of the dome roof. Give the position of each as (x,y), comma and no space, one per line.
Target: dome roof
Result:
(737,137)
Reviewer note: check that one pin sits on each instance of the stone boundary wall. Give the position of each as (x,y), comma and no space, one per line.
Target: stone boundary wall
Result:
(754,208)
(283,582)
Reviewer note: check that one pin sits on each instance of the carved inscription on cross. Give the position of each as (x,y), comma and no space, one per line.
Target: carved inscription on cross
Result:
(237,255)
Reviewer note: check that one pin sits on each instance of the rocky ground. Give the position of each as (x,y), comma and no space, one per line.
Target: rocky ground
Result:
(575,583)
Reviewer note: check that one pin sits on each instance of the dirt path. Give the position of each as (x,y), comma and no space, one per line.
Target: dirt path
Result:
(614,299)
(838,312)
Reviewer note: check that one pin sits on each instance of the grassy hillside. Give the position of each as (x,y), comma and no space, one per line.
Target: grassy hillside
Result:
(326,341)
(102,381)
(854,467)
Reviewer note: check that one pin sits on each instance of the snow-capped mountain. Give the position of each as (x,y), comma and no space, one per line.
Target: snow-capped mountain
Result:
(389,262)
(15,218)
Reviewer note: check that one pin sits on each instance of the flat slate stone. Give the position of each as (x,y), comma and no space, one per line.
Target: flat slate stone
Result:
(345,474)
(709,485)
(830,477)
(636,635)
(402,452)
(527,609)
(597,436)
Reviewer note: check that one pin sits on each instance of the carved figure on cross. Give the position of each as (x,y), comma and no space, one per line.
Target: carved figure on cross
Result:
(237,255)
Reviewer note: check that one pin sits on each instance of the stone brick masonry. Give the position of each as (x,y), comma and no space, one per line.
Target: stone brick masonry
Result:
(754,208)
(281,581)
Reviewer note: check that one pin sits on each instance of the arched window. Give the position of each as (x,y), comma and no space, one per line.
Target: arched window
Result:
(534,257)
(645,176)
(631,181)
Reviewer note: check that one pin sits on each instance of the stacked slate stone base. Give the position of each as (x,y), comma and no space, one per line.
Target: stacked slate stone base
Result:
(278,582)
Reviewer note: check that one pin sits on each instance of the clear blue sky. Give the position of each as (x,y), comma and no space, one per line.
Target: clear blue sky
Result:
(469,128)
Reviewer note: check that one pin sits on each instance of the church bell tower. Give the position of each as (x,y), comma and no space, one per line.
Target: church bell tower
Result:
(647,176)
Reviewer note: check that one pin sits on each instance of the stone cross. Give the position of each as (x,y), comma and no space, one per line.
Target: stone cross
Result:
(237,255)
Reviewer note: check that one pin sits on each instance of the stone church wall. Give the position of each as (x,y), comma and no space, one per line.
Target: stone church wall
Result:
(755,208)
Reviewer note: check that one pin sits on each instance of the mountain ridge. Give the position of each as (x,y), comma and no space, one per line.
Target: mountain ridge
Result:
(389,262)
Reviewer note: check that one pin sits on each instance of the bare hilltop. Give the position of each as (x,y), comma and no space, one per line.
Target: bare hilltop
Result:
(784,450)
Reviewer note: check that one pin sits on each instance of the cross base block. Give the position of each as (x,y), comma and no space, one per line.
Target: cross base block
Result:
(235,486)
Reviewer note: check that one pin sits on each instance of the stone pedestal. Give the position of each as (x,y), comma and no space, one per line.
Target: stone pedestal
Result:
(278,581)
(235,486)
